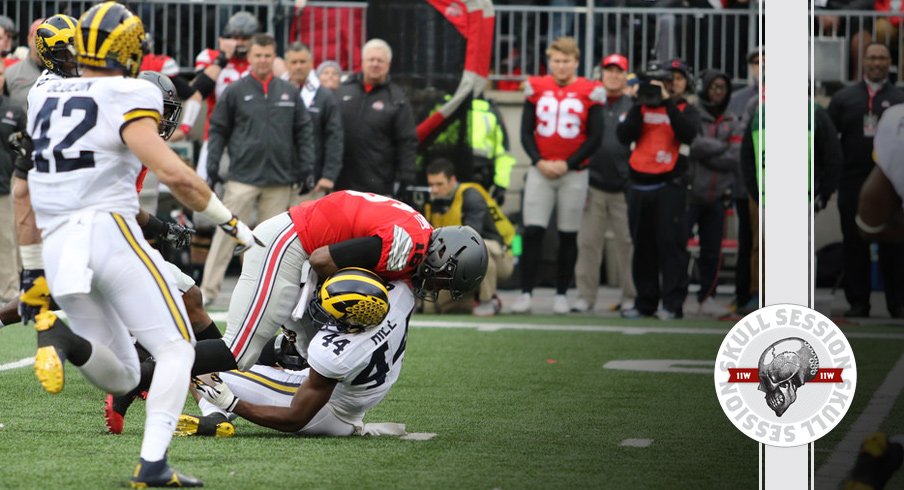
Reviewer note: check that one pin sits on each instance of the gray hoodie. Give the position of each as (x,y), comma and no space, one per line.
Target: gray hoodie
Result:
(715,151)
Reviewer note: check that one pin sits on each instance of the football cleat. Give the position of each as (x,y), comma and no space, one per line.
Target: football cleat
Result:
(115,411)
(215,425)
(49,358)
(160,474)
(877,461)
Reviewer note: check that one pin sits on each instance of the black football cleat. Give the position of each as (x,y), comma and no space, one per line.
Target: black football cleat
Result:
(156,474)
(215,425)
(877,461)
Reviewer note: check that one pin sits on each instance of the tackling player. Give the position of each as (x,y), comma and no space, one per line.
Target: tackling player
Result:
(880,215)
(354,354)
(561,127)
(90,136)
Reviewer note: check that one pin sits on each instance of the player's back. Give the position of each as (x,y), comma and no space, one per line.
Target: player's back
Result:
(80,159)
(366,364)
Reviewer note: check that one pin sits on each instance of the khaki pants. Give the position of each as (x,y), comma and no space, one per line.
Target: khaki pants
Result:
(241,199)
(297,199)
(9,256)
(604,210)
(500,265)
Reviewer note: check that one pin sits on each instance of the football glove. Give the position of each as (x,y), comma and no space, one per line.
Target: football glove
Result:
(242,234)
(177,236)
(21,143)
(498,194)
(216,392)
(34,294)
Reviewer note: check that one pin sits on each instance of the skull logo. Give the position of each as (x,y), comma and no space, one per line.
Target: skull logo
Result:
(784,367)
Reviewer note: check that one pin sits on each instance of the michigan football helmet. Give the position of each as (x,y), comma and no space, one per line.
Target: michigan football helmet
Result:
(109,36)
(55,43)
(172,106)
(456,261)
(350,301)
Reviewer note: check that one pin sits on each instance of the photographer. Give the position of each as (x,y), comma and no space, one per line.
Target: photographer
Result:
(661,130)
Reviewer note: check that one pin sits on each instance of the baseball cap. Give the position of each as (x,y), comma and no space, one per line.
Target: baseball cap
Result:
(678,64)
(617,60)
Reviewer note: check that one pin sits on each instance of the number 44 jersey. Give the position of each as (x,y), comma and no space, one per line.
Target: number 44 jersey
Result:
(561,113)
(80,159)
(366,364)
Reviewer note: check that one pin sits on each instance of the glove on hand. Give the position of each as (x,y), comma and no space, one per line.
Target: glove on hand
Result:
(216,392)
(242,234)
(34,294)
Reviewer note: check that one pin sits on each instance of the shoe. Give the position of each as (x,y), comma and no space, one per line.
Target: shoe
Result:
(664,314)
(876,463)
(490,307)
(709,307)
(215,424)
(522,304)
(49,358)
(560,305)
(631,313)
(857,311)
(115,411)
(581,306)
(752,305)
(159,474)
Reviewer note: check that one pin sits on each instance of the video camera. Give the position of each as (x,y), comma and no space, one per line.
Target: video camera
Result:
(649,94)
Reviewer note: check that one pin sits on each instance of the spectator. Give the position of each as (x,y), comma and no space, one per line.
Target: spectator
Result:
(8,35)
(330,74)
(13,120)
(606,206)
(21,76)
(261,119)
(470,204)
(713,163)
(561,127)
(855,111)
(327,122)
(168,66)
(827,158)
(661,127)
(682,80)
(380,135)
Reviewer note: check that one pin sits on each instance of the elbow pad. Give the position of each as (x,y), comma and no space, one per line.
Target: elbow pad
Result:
(204,84)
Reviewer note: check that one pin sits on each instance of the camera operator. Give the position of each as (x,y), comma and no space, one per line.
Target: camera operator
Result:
(661,129)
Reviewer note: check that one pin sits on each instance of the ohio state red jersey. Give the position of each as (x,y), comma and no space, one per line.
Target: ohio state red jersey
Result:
(561,113)
(234,69)
(345,215)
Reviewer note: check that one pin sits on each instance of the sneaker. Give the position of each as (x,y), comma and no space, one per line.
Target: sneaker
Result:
(560,305)
(877,461)
(159,474)
(709,307)
(522,304)
(581,306)
(631,313)
(484,308)
(664,314)
(215,424)
(49,358)
(115,411)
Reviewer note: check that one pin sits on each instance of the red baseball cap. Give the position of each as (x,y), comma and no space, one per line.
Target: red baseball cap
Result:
(617,60)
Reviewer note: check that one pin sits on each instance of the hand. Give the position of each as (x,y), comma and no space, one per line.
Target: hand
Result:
(178,135)
(21,143)
(498,194)
(548,169)
(34,294)
(242,234)
(216,392)
(661,85)
(324,185)
(176,235)
(227,46)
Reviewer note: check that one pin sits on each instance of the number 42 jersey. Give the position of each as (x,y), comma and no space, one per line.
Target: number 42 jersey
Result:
(80,159)
(561,113)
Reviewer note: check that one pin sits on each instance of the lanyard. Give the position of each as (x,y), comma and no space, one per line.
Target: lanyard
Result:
(871,94)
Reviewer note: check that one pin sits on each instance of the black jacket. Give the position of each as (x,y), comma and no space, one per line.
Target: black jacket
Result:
(269,136)
(847,109)
(716,150)
(609,165)
(827,155)
(12,119)
(328,135)
(380,137)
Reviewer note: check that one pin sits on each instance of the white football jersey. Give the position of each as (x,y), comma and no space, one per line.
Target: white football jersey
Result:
(80,160)
(366,364)
(888,147)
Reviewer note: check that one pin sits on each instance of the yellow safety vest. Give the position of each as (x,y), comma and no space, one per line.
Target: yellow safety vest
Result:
(452,217)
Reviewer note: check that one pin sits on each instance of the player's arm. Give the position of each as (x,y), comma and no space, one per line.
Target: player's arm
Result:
(358,252)
(879,214)
(593,141)
(528,126)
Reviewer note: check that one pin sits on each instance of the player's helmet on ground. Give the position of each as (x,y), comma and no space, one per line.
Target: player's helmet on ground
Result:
(172,106)
(109,36)
(55,43)
(456,260)
(286,353)
(241,24)
(350,301)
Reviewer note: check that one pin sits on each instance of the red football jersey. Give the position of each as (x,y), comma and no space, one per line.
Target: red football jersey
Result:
(345,215)
(235,68)
(562,113)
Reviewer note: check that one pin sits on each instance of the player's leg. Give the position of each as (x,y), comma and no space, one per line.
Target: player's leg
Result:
(570,198)
(201,323)
(539,199)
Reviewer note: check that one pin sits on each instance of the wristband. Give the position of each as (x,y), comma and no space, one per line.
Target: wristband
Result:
(185,128)
(32,257)
(216,211)
(872,230)
(221,60)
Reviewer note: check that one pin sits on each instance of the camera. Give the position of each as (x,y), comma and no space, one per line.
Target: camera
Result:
(649,94)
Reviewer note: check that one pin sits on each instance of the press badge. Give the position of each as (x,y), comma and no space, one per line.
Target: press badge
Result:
(870,121)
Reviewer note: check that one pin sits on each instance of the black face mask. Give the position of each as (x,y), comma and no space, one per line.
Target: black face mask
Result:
(241,52)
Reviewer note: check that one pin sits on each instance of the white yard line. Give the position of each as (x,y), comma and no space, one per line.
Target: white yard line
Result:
(28,361)
(835,468)
(636,443)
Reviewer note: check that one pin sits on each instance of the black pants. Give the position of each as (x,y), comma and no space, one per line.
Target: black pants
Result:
(710,220)
(658,221)
(745,245)
(856,257)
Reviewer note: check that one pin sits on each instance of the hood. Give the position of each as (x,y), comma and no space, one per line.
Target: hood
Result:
(706,78)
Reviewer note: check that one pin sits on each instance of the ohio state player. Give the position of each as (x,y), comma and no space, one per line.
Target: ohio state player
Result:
(561,127)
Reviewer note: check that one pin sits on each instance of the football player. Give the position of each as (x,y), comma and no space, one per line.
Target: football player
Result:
(561,127)
(354,357)
(91,135)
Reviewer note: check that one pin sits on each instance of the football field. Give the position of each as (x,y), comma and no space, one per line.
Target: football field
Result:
(512,402)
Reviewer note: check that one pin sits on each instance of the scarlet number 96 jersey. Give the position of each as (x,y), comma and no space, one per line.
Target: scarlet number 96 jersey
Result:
(561,113)
(80,159)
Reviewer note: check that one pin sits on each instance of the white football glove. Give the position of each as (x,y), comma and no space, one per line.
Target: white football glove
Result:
(242,234)
(215,391)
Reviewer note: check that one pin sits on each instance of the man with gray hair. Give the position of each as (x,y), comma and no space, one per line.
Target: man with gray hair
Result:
(380,135)
(327,122)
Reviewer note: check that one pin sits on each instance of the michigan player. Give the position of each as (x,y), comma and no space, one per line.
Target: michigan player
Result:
(90,136)
(354,357)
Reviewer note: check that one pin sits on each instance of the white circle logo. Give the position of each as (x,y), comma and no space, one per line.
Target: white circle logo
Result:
(785,375)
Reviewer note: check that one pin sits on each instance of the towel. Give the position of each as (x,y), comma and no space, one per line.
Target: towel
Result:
(73,275)
(311,84)
(307,291)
